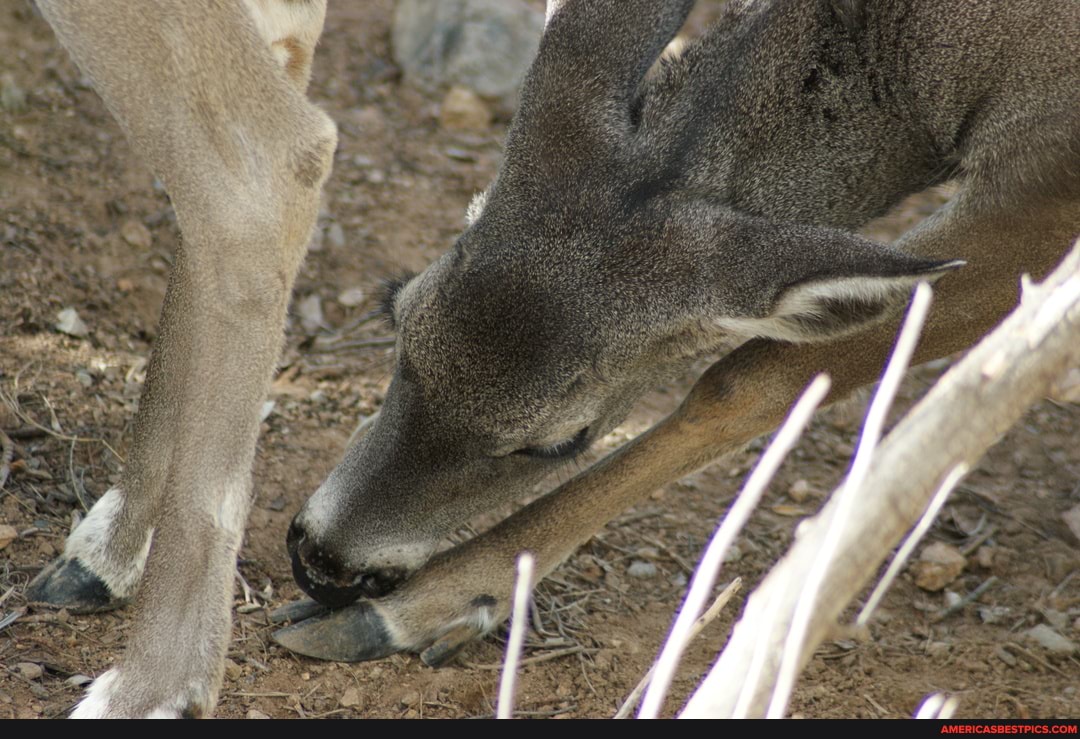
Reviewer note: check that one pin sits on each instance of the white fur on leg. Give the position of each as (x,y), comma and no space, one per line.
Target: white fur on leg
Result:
(96,702)
(90,544)
(105,698)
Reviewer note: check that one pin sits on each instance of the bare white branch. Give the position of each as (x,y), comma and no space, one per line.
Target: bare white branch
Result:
(519,618)
(1012,368)
(847,496)
(722,540)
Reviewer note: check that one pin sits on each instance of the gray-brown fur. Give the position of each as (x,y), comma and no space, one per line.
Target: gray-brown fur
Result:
(640,220)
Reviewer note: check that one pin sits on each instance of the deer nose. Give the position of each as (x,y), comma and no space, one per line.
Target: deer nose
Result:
(324,578)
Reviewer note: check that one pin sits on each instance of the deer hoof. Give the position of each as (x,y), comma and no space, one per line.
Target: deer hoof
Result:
(352,634)
(66,583)
(447,646)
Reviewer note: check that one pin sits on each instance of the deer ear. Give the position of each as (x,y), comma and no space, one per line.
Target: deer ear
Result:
(835,306)
(803,283)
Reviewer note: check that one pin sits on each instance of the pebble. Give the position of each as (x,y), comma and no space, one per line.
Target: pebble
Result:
(310,313)
(351,297)
(336,235)
(1050,640)
(938,565)
(30,670)
(8,534)
(642,569)
(463,110)
(12,97)
(136,234)
(233,671)
(68,322)
(254,713)
(799,491)
(350,698)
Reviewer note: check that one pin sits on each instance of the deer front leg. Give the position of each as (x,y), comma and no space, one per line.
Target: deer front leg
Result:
(243,155)
(466,591)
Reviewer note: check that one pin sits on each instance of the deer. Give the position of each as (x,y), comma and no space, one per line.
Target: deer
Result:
(646,214)
(640,221)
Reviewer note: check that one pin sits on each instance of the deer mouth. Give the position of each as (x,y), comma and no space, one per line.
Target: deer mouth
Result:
(324,578)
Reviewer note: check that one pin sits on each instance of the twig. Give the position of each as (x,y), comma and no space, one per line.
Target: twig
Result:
(545,657)
(969,598)
(947,485)
(848,495)
(705,619)
(50,432)
(1041,662)
(978,541)
(740,511)
(519,618)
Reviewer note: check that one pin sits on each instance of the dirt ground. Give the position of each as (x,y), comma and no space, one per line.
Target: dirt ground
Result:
(84,226)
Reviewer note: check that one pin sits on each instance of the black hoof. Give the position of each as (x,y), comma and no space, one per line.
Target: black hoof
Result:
(351,634)
(67,584)
(297,611)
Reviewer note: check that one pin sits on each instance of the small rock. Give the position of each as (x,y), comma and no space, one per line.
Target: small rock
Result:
(984,557)
(78,681)
(1071,518)
(485,45)
(277,504)
(68,322)
(232,670)
(136,234)
(8,534)
(351,297)
(937,648)
(799,491)
(254,713)
(994,614)
(311,315)
(30,670)
(336,234)
(938,565)
(267,409)
(642,569)
(464,110)
(1005,656)
(85,378)
(952,599)
(12,97)
(1057,619)
(350,698)
(1050,640)
(410,698)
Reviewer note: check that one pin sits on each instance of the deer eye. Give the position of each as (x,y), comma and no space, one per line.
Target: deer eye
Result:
(566,449)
